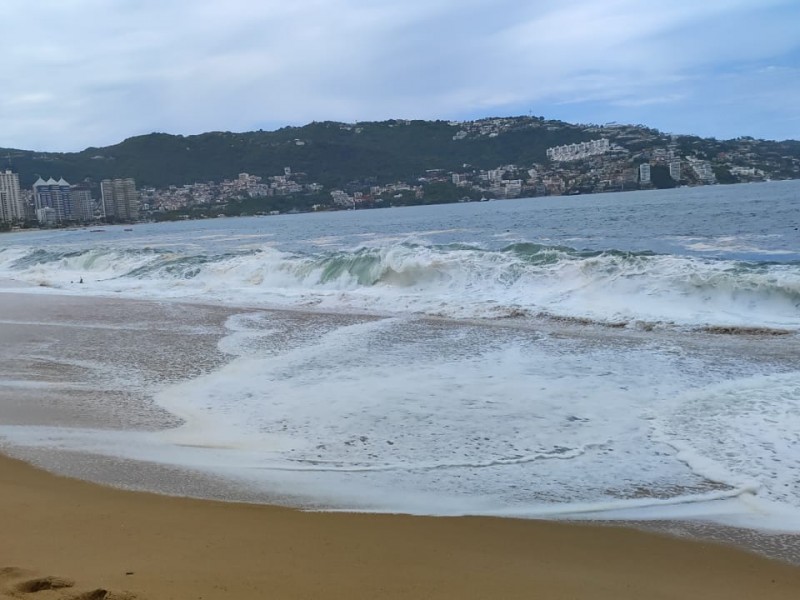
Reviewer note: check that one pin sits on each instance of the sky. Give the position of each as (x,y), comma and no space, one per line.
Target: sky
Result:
(80,73)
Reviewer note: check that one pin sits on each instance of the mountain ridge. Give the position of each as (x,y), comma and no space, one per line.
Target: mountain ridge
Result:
(334,153)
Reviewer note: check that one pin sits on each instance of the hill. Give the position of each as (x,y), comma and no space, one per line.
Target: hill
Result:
(336,153)
(406,162)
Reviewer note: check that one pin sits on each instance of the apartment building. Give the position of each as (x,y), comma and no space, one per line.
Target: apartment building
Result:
(55,195)
(120,200)
(12,205)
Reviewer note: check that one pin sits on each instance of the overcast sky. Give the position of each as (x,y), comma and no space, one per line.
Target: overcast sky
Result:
(80,73)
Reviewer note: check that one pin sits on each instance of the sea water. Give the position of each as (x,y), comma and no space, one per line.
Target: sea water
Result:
(618,356)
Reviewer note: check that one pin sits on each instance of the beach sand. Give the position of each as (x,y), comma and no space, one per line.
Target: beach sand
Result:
(100,542)
(67,538)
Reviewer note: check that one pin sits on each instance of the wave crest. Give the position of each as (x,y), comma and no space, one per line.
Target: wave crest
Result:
(521,279)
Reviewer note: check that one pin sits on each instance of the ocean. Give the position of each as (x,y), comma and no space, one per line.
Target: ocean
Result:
(628,356)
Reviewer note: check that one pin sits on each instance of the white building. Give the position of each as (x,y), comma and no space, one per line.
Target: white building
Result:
(12,204)
(512,188)
(747,172)
(703,170)
(578,151)
(496,174)
(644,173)
(341,198)
(46,216)
(675,170)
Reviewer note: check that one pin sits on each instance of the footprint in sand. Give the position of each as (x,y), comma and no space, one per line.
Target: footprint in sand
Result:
(20,583)
(39,584)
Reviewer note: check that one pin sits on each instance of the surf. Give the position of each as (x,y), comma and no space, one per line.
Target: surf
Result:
(455,281)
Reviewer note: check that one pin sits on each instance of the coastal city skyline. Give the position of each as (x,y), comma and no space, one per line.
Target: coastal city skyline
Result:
(108,71)
(459,166)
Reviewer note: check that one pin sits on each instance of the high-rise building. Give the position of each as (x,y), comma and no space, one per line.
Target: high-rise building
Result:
(12,205)
(675,170)
(56,195)
(644,173)
(82,202)
(120,200)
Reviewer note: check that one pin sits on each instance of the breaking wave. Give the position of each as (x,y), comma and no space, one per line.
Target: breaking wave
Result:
(457,281)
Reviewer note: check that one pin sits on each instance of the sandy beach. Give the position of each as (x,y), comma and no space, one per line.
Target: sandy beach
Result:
(67,538)
(95,542)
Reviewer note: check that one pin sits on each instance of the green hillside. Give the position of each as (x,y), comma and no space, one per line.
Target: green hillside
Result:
(330,153)
(334,154)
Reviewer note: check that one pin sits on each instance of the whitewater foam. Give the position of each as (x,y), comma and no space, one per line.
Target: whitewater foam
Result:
(651,417)
(411,415)
(456,281)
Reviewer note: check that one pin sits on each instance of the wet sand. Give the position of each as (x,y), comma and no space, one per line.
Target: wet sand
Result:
(91,541)
(100,542)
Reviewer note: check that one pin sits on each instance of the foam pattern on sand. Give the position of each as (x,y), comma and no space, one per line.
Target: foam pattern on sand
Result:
(411,415)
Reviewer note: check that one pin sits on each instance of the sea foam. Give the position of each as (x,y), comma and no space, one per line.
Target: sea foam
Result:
(455,281)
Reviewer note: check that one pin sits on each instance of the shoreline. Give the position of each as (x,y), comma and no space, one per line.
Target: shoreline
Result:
(183,483)
(692,538)
(123,544)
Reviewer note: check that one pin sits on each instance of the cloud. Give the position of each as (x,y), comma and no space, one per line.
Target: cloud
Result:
(108,70)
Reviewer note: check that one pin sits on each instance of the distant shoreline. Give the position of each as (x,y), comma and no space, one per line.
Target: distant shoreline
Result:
(127,226)
(398,162)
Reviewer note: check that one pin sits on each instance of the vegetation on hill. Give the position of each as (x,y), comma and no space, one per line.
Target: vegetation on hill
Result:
(330,153)
(355,157)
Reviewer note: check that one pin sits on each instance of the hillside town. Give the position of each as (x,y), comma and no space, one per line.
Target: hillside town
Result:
(614,158)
